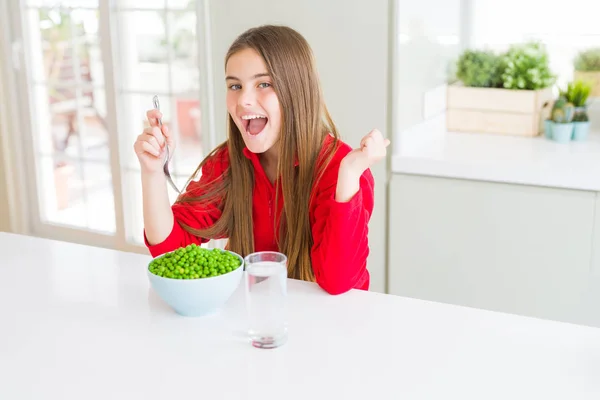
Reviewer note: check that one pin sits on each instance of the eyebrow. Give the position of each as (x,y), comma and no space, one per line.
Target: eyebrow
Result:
(233,78)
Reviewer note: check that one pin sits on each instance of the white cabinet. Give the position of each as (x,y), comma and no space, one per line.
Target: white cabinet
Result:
(519,249)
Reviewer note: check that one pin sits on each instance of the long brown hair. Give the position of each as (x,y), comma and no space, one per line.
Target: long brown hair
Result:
(305,126)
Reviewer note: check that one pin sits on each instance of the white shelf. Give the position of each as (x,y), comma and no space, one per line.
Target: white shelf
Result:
(429,149)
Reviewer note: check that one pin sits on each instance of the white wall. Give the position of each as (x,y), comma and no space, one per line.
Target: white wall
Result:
(4,211)
(5,220)
(428,43)
(13,216)
(350,41)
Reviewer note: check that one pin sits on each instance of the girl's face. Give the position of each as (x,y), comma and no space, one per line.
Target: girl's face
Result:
(252,101)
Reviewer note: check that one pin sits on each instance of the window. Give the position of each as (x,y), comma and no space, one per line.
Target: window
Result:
(89,73)
(564,30)
(429,43)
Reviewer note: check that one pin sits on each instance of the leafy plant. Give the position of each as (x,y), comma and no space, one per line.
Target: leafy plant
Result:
(527,67)
(479,68)
(577,94)
(523,66)
(562,111)
(580,116)
(588,60)
(559,103)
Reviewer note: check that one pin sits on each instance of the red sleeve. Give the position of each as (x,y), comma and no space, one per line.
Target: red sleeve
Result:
(340,249)
(194,214)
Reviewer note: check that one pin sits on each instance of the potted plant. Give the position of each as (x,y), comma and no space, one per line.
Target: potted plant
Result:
(479,68)
(587,68)
(562,120)
(506,93)
(577,93)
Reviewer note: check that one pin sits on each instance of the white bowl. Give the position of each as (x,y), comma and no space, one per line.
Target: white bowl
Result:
(197,297)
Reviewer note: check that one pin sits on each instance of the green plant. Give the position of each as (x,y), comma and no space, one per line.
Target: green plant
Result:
(526,66)
(577,92)
(562,111)
(558,104)
(588,60)
(479,68)
(580,116)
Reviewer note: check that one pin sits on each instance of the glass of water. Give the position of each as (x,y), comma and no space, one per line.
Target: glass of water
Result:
(266,295)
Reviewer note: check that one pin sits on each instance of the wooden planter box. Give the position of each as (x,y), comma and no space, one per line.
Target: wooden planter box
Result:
(501,111)
(593,78)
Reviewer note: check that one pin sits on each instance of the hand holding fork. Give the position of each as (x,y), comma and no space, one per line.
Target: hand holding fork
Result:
(155,145)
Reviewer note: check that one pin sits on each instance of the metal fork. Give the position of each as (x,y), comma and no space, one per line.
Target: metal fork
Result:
(166,164)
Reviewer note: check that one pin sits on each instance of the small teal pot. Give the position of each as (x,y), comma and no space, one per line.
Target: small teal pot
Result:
(562,133)
(581,130)
(548,128)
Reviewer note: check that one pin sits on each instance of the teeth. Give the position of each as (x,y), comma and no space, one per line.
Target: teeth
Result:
(252,116)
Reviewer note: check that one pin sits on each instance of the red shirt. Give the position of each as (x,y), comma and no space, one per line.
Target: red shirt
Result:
(340,249)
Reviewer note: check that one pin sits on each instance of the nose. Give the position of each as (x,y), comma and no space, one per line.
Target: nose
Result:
(247,97)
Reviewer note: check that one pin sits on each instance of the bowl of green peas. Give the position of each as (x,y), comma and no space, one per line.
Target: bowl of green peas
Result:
(196,281)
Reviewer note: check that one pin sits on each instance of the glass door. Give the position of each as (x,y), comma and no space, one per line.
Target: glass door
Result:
(87,73)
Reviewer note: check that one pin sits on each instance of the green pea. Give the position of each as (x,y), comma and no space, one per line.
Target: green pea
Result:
(194,262)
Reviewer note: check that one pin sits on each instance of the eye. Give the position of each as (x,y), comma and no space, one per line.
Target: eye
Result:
(264,85)
(235,87)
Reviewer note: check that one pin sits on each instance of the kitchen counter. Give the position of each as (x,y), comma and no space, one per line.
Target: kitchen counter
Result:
(428,149)
(81,322)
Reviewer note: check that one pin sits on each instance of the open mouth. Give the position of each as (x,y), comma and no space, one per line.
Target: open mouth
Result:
(254,124)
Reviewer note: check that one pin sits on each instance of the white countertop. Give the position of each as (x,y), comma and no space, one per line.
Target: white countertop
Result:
(428,149)
(82,323)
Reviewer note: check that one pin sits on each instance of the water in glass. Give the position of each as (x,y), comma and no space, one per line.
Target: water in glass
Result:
(266,292)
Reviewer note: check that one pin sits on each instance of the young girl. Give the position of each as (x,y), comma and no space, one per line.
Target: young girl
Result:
(283,181)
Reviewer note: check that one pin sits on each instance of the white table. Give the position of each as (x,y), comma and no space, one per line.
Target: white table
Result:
(80,322)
